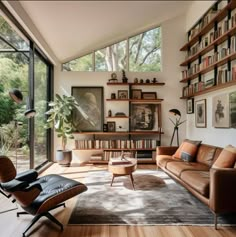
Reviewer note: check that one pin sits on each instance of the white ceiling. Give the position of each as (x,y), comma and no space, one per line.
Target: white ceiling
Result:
(74,28)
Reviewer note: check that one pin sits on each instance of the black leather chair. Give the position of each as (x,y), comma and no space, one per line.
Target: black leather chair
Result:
(37,196)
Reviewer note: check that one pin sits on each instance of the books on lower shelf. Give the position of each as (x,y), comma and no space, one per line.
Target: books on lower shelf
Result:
(119,161)
(119,144)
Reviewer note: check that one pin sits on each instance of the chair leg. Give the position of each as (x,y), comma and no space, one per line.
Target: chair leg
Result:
(53,219)
(215,220)
(21,213)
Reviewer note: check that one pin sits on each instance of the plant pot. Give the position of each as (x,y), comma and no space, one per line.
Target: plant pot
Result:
(64,157)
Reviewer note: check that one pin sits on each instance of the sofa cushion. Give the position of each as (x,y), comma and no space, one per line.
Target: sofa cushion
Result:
(187,150)
(162,160)
(178,167)
(205,154)
(227,158)
(198,180)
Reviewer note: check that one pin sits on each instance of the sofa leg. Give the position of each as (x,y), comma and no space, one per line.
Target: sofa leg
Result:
(215,220)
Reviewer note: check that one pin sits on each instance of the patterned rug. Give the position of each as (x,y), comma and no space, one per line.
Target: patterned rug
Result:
(157,200)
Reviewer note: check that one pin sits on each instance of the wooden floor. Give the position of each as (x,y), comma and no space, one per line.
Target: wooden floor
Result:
(11,226)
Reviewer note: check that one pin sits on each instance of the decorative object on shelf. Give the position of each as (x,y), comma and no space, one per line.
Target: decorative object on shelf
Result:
(144,117)
(220,111)
(60,118)
(141,81)
(113,96)
(109,113)
(111,126)
(119,128)
(232,105)
(124,78)
(135,80)
(190,106)
(136,94)
(147,81)
(90,116)
(149,95)
(200,114)
(105,127)
(113,78)
(120,114)
(154,80)
(122,94)
(176,123)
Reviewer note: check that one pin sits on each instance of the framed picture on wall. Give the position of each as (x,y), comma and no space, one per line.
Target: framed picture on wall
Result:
(220,111)
(190,106)
(232,110)
(200,113)
(89,116)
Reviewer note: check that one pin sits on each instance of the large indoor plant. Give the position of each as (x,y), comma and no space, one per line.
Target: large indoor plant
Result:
(60,118)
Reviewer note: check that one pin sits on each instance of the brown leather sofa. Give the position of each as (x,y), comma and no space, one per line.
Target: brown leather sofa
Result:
(214,187)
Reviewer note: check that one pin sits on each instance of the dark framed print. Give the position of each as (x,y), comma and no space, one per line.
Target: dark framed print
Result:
(136,94)
(232,109)
(220,111)
(149,95)
(200,113)
(145,117)
(88,117)
(122,94)
(111,126)
(190,106)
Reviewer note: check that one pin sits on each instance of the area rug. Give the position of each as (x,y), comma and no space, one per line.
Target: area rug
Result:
(157,200)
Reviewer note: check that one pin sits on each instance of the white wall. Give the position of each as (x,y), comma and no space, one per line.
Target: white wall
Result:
(173,35)
(210,135)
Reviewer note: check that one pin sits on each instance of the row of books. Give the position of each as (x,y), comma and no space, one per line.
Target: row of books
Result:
(207,61)
(222,28)
(119,144)
(223,76)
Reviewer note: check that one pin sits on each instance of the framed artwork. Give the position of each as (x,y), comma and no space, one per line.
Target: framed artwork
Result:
(122,94)
(136,94)
(220,111)
(200,113)
(88,117)
(149,95)
(144,117)
(111,126)
(190,106)
(232,109)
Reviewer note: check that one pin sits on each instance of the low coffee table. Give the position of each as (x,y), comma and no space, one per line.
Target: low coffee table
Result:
(123,169)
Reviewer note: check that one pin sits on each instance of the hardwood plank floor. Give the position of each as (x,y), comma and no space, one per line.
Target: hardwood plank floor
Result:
(11,226)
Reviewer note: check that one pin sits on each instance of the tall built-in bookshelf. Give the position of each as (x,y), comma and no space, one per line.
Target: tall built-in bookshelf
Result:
(139,143)
(210,62)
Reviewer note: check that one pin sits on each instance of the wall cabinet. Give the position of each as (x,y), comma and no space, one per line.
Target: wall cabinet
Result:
(211,51)
(141,131)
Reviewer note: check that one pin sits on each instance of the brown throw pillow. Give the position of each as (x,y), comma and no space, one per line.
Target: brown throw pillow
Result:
(227,158)
(187,150)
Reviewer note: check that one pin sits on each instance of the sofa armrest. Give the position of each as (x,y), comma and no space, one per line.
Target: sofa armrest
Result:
(166,150)
(222,190)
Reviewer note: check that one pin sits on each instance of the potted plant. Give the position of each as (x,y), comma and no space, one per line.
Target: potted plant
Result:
(60,118)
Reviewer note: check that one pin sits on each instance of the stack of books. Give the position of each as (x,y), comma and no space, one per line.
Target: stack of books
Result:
(119,161)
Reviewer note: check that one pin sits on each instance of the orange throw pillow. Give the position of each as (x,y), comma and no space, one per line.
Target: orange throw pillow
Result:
(227,158)
(187,150)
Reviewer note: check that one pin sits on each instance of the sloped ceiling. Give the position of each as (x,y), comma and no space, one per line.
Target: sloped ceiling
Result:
(73,28)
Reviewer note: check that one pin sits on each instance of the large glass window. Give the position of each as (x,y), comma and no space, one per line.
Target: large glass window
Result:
(17,72)
(145,52)
(84,63)
(112,58)
(144,55)
(40,85)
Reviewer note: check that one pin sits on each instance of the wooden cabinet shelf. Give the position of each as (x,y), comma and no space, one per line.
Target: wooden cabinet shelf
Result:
(120,133)
(135,84)
(137,100)
(220,16)
(211,46)
(211,89)
(211,67)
